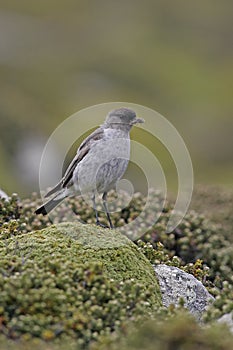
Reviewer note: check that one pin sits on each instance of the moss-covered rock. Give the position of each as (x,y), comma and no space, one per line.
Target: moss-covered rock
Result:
(72,280)
(120,257)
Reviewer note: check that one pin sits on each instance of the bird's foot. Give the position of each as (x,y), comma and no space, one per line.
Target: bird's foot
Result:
(81,221)
(101,225)
(111,226)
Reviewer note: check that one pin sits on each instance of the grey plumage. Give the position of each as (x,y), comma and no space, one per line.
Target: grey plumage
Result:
(100,162)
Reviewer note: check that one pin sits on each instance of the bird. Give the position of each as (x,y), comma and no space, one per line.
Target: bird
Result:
(100,161)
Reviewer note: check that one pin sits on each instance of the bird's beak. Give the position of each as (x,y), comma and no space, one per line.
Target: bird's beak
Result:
(138,120)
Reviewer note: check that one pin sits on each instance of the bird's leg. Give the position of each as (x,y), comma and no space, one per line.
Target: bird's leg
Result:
(96,212)
(106,209)
(98,223)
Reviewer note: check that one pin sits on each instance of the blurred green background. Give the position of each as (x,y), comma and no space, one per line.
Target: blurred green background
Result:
(57,57)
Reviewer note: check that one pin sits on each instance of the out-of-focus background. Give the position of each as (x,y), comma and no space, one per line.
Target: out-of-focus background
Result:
(57,57)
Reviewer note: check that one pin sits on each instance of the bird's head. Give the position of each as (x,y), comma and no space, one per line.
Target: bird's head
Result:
(122,117)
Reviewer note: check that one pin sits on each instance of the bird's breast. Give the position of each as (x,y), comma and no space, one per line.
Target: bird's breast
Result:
(105,162)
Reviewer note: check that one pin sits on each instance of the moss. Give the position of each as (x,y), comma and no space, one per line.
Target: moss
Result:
(119,256)
(106,277)
(216,203)
(196,238)
(179,332)
(223,303)
(26,343)
(73,280)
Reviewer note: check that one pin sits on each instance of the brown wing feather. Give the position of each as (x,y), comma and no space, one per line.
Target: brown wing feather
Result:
(69,172)
(81,153)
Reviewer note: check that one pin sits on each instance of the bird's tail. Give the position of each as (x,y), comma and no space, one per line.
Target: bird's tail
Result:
(48,206)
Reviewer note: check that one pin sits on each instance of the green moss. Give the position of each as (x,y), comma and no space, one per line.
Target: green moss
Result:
(80,243)
(73,280)
(36,344)
(216,203)
(87,283)
(179,332)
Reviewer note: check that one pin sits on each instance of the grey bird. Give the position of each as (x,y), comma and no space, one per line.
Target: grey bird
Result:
(101,160)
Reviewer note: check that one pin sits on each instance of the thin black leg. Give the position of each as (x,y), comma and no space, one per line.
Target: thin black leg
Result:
(96,212)
(98,223)
(106,209)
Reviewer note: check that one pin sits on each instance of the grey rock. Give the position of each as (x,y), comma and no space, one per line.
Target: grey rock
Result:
(176,284)
(227,319)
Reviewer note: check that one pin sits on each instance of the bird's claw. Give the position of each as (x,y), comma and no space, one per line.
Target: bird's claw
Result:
(101,225)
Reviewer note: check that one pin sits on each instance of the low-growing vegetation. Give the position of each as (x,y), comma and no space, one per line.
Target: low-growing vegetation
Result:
(81,286)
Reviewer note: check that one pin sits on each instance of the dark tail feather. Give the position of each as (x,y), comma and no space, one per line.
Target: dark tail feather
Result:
(48,206)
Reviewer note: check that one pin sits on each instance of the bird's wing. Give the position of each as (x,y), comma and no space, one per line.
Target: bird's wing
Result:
(81,154)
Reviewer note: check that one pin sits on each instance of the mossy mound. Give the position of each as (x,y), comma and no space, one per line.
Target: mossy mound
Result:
(72,280)
(35,262)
